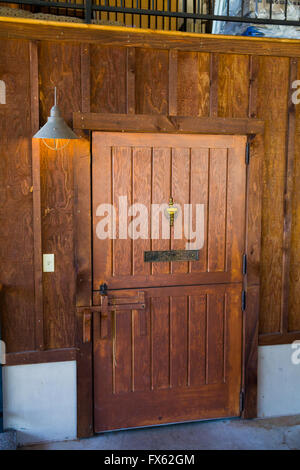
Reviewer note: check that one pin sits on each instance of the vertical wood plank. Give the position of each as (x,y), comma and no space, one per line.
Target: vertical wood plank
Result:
(179,341)
(85,405)
(161,191)
(233,345)
(152,94)
(288,197)
(253,86)
(102,193)
(216,239)
(85,78)
(193,90)
(141,366)
(253,250)
(83,263)
(214,75)
(103,373)
(180,191)
(254,186)
(252,279)
(215,338)
(273,70)
(59,287)
(199,195)
(122,187)
(108,79)
(141,182)
(173,65)
(160,338)
(124,349)
(197,325)
(233,85)
(34,86)
(38,268)
(36,182)
(235,200)
(294,274)
(251,352)
(82,222)
(130,80)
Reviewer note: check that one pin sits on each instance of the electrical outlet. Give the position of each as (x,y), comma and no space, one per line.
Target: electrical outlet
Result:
(48,263)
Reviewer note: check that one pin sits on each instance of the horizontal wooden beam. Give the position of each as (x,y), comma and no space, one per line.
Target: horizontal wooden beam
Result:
(162,123)
(20,28)
(39,357)
(270,339)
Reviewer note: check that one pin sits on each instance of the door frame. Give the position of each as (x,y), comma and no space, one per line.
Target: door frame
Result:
(84,125)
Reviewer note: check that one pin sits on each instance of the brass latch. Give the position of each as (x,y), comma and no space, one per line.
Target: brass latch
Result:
(172,211)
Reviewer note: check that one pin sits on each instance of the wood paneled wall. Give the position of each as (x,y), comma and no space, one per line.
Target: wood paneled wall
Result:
(146,81)
(16,219)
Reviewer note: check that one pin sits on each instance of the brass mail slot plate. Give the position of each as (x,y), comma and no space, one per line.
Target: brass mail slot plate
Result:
(171,255)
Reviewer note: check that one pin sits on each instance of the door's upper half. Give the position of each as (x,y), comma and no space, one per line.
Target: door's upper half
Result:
(160,195)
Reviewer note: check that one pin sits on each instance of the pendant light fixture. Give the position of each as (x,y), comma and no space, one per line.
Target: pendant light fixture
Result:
(55,129)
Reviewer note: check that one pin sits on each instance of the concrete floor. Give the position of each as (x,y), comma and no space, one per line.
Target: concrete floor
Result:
(261,434)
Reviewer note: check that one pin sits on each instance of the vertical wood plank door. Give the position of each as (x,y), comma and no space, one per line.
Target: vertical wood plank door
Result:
(179,358)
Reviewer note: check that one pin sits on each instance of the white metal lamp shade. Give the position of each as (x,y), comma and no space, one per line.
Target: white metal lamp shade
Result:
(55,128)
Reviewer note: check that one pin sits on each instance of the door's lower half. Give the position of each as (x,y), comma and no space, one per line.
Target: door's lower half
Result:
(177,360)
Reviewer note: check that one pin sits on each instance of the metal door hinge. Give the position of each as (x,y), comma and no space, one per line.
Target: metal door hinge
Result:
(244,264)
(242,401)
(247,153)
(243,300)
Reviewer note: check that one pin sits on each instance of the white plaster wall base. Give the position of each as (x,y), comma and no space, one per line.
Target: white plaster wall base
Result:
(278,381)
(40,401)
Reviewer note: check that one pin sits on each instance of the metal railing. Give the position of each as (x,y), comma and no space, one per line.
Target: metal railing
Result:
(172,14)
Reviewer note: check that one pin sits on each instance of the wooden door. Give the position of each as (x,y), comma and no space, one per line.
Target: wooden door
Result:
(180,357)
